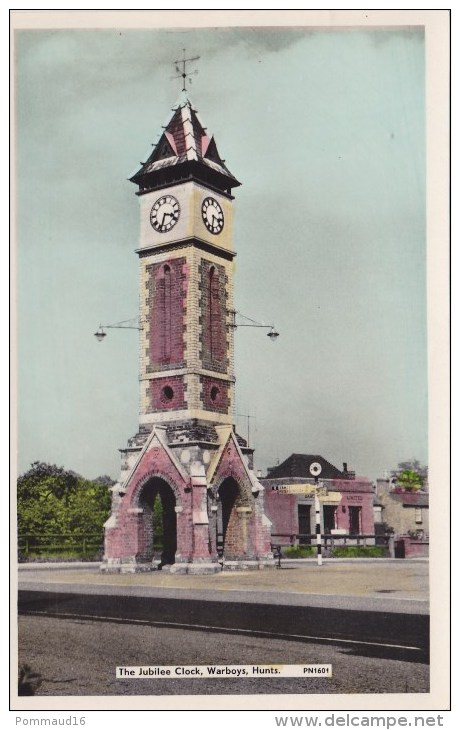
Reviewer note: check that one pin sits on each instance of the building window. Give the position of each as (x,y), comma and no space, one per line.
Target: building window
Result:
(355,520)
(303,513)
(330,518)
(418,516)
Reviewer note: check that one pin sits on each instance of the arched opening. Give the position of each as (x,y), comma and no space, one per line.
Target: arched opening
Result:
(159,541)
(230,540)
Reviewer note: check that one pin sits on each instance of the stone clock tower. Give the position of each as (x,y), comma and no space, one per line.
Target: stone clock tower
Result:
(186,454)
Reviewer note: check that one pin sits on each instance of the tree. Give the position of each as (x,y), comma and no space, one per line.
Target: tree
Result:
(409,480)
(52,500)
(410,475)
(104,481)
(46,480)
(412,465)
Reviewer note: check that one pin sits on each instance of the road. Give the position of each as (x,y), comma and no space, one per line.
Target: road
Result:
(76,640)
(78,657)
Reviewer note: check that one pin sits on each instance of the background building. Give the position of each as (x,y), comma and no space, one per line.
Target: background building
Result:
(346,507)
(407,514)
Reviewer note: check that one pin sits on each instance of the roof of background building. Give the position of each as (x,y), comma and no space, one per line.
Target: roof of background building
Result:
(298,465)
(410,499)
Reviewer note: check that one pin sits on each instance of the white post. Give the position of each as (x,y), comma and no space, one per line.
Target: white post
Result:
(318,523)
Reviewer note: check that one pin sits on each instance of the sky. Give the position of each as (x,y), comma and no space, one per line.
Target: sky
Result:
(326,131)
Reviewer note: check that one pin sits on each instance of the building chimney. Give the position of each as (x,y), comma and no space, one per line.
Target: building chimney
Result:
(345,467)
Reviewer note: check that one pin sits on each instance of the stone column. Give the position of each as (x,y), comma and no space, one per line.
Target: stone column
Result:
(202,560)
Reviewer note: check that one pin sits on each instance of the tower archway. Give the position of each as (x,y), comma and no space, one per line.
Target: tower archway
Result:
(157,502)
(232,535)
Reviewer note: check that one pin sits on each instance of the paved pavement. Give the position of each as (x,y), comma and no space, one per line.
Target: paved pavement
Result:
(395,586)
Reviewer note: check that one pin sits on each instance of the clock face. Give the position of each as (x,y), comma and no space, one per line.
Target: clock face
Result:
(165,213)
(213,215)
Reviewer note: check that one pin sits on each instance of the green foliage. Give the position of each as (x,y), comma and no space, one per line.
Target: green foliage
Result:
(45,480)
(409,480)
(298,551)
(54,501)
(359,551)
(410,475)
(158,523)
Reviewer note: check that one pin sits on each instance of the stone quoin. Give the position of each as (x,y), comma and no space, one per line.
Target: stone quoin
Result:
(186,452)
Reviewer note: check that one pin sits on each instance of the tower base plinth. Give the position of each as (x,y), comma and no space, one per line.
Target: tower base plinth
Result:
(248,564)
(126,565)
(196,568)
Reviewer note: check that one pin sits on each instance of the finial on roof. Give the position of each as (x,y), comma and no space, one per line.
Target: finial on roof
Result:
(183,74)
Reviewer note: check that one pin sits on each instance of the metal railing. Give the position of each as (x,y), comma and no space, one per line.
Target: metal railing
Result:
(81,545)
(330,541)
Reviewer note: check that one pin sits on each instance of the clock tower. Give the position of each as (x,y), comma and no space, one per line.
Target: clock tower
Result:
(186,277)
(186,467)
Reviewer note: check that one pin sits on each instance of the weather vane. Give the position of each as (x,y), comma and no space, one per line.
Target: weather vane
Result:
(183,74)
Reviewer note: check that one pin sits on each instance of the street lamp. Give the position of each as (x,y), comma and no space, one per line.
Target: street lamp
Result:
(272,334)
(127,324)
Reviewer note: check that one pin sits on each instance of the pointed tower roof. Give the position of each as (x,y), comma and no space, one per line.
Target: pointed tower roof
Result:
(184,151)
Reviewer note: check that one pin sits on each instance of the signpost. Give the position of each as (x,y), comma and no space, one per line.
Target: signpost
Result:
(315,471)
(309,490)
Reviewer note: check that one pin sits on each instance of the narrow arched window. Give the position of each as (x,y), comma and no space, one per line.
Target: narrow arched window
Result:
(214,313)
(166,313)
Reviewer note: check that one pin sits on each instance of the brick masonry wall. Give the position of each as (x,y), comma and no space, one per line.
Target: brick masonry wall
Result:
(192,364)
(213,316)
(166,287)
(355,493)
(130,537)
(167,394)
(365,502)
(247,535)
(214,394)
(282,511)
(403,519)
(189,507)
(236,536)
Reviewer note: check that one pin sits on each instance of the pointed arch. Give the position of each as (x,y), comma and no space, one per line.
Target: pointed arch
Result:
(156,501)
(232,533)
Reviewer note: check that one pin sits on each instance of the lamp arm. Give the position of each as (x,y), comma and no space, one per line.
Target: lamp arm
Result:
(126,324)
(251,322)
(118,327)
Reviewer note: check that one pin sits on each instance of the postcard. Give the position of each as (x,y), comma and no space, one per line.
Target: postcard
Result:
(231,332)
